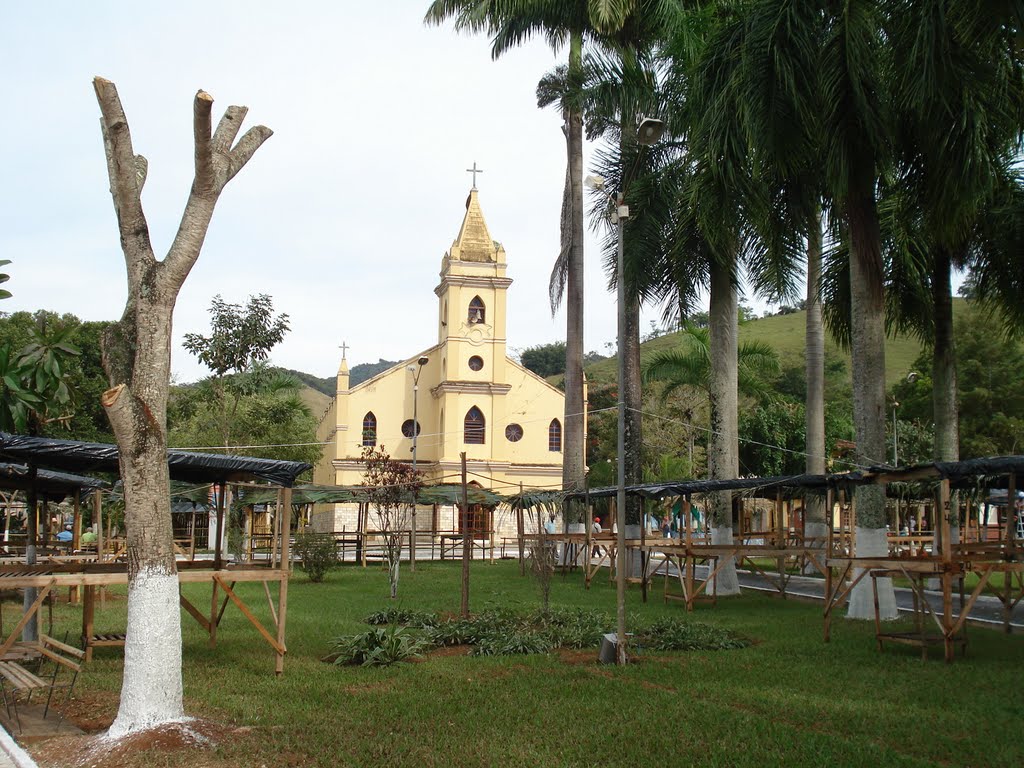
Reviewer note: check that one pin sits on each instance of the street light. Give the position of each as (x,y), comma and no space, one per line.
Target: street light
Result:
(415,370)
(649,131)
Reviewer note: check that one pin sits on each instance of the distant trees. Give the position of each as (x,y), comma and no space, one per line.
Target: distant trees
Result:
(239,339)
(545,359)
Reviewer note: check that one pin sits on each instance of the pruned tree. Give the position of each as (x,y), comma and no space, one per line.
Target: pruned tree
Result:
(137,360)
(390,487)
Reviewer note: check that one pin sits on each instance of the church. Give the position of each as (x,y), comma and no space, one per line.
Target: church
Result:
(464,394)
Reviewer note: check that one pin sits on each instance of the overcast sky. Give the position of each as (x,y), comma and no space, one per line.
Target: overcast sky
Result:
(342,217)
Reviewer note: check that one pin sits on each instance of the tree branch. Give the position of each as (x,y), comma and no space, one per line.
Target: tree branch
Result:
(201,129)
(246,148)
(228,128)
(127,174)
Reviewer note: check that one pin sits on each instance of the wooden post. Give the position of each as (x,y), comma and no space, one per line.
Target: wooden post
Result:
(520,532)
(947,568)
(217,554)
(466,540)
(275,537)
(490,524)
(76,533)
(285,496)
(364,507)
(643,551)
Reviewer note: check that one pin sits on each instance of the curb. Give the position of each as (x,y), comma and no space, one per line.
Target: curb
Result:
(13,755)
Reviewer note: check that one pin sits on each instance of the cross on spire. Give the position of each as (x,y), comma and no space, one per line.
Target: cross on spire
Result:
(343,348)
(474,170)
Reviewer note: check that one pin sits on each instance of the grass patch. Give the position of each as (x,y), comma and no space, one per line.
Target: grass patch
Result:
(786,698)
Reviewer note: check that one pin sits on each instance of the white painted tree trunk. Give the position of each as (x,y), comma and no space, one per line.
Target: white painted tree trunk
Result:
(151,693)
(867,299)
(137,360)
(872,542)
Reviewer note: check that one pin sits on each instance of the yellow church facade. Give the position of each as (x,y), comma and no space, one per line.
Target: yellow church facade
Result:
(462,395)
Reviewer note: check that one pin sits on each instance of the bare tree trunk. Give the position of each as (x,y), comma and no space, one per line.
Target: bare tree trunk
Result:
(394,561)
(723,454)
(867,299)
(815,526)
(573,445)
(137,359)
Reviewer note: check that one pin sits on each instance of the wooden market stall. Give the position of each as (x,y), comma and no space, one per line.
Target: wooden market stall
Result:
(771,550)
(185,466)
(956,486)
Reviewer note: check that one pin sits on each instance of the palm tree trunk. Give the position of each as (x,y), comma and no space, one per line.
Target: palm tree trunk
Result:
(867,300)
(815,527)
(944,379)
(574,448)
(723,456)
(633,398)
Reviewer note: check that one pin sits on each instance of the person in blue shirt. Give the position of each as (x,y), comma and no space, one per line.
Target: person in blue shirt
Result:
(66,535)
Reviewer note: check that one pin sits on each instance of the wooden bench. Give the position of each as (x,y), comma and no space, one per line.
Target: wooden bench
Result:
(22,681)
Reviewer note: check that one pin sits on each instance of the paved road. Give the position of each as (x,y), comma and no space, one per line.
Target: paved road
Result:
(987,609)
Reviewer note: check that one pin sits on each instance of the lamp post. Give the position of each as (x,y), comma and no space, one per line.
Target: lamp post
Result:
(895,435)
(649,131)
(415,370)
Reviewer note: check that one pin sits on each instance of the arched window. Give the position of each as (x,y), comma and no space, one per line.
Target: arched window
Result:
(477,313)
(473,427)
(369,429)
(555,435)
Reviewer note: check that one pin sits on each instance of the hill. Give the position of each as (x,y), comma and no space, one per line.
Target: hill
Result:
(784,333)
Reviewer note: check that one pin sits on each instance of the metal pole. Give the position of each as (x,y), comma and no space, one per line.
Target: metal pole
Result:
(620,497)
(895,438)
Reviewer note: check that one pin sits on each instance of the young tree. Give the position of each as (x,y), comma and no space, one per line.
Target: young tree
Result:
(239,339)
(390,485)
(136,357)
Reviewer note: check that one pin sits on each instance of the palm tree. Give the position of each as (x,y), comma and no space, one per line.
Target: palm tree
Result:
(689,365)
(959,85)
(509,24)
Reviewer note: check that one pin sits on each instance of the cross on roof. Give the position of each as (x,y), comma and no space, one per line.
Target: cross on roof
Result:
(474,170)
(343,348)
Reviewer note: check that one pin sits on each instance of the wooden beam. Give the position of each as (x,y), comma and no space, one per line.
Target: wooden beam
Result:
(279,647)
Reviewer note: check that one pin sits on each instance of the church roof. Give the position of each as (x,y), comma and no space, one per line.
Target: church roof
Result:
(474,241)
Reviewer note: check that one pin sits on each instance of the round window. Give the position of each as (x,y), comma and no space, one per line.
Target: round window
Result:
(410,428)
(513,433)
(476,363)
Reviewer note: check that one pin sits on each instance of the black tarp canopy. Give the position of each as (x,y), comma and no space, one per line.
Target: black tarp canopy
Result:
(52,485)
(767,487)
(74,456)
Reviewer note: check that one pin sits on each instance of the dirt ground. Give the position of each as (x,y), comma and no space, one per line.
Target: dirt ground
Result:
(84,745)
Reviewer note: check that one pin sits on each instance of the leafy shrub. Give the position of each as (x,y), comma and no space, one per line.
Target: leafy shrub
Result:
(680,635)
(454,632)
(572,628)
(380,647)
(317,553)
(511,643)
(418,619)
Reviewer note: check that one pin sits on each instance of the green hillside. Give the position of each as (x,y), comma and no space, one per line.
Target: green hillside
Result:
(785,333)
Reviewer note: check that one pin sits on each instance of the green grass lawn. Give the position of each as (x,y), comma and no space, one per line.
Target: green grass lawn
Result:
(788,699)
